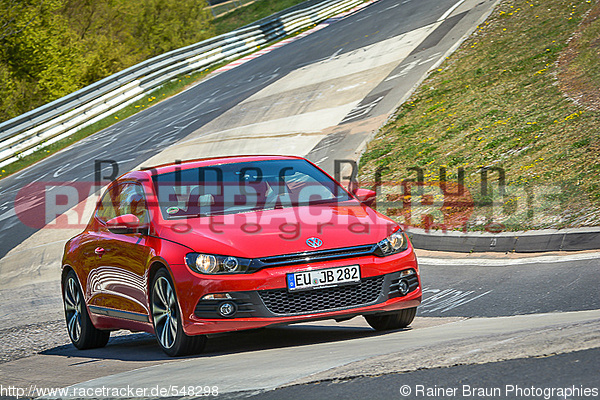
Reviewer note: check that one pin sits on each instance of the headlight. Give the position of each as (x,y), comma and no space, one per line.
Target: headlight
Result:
(395,243)
(213,264)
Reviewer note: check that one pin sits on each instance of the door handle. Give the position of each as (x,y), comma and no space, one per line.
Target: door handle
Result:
(99,251)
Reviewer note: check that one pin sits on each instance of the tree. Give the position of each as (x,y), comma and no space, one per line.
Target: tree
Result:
(10,11)
(50,48)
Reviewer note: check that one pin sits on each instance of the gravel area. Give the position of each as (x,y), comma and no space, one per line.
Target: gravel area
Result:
(27,340)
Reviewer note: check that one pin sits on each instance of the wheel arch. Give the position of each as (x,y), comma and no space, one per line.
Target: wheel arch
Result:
(63,275)
(155,266)
(66,269)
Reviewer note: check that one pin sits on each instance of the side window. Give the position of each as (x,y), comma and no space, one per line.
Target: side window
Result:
(133,201)
(123,199)
(107,207)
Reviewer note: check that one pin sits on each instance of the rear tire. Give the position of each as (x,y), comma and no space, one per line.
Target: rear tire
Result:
(389,321)
(82,332)
(166,319)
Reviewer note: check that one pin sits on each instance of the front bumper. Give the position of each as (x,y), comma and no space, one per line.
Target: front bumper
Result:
(282,303)
(262,299)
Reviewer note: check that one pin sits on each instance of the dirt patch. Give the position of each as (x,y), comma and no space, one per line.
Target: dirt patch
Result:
(573,78)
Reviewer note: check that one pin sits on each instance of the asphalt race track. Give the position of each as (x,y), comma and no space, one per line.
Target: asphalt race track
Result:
(463,381)
(147,133)
(310,94)
(487,321)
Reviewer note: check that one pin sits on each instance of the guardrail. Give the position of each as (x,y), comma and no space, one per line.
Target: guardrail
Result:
(32,131)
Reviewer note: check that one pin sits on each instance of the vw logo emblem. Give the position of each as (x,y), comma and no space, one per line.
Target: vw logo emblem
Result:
(314,242)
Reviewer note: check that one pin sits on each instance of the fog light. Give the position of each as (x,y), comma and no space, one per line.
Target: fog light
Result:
(227,309)
(403,287)
(407,272)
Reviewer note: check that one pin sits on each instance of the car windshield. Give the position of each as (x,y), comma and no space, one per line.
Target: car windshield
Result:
(242,187)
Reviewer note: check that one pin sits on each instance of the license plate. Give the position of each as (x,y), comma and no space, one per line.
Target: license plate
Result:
(323,278)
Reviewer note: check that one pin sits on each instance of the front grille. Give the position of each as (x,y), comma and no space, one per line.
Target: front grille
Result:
(280,301)
(319,255)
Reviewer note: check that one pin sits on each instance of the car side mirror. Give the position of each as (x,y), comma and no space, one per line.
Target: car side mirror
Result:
(366,196)
(126,223)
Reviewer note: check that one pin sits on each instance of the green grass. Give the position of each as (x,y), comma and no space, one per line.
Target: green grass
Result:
(254,12)
(586,61)
(496,103)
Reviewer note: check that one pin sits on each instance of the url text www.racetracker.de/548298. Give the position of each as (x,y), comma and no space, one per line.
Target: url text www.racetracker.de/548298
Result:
(128,391)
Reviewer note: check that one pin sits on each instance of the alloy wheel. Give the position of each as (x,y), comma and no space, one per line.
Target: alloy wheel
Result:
(73,309)
(164,312)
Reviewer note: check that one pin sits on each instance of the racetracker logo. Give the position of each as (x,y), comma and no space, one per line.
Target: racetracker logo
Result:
(436,204)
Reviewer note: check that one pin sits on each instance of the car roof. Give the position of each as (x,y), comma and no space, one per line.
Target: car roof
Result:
(205,162)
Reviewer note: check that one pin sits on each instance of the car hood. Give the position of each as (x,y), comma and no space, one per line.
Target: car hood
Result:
(280,231)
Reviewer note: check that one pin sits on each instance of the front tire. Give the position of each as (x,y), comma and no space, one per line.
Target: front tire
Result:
(82,332)
(389,321)
(167,319)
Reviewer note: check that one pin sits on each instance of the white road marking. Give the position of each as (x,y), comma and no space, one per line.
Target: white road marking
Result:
(446,299)
(361,111)
(39,178)
(8,214)
(334,55)
(61,170)
(454,7)
(200,104)
(181,128)
(350,87)
(6,192)
(505,262)
(508,340)
(431,58)
(10,223)
(404,71)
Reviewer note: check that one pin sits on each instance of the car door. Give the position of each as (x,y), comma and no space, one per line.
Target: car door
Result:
(117,281)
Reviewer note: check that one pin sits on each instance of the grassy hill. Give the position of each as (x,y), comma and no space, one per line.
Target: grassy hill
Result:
(521,97)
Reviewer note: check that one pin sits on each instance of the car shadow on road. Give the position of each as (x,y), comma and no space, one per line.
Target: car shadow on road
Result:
(284,336)
(143,347)
(124,347)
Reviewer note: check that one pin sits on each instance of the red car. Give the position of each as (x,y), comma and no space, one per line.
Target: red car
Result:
(225,244)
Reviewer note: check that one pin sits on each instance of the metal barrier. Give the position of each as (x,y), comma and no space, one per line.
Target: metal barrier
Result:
(36,129)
